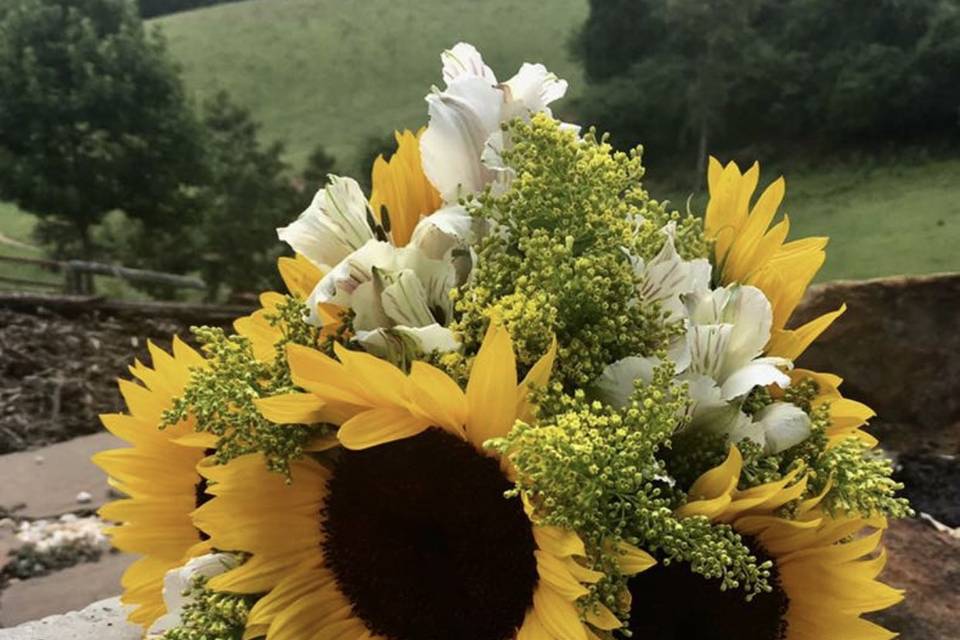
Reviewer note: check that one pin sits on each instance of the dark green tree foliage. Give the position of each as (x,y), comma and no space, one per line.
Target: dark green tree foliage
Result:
(320,164)
(681,75)
(92,116)
(618,34)
(247,196)
(371,148)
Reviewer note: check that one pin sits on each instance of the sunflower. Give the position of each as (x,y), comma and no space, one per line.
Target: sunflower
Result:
(159,474)
(401,188)
(748,250)
(823,570)
(406,534)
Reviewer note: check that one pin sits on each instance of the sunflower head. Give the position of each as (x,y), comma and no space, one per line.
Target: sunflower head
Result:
(407,531)
(823,571)
(158,473)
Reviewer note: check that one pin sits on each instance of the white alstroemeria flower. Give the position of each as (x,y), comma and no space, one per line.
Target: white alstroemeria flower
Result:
(776,427)
(445,230)
(335,224)
(400,290)
(393,289)
(727,331)
(178,582)
(667,277)
(721,363)
(468,113)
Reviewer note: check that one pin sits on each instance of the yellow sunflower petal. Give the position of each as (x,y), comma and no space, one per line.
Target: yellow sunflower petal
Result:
(492,388)
(537,377)
(558,542)
(633,560)
(380,426)
(299,275)
(790,343)
(720,480)
(292,408)
(437,397)
(401,187)
(602,618)
(557,615)
(553,572)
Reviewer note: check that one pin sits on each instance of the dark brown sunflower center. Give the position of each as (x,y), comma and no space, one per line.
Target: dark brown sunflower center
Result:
(673,603)
(201,497)
(423,543)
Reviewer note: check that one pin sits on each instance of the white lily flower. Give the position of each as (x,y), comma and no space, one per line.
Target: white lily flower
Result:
(335,224)
(462,118)
(532,90)
(465,115)
(397,343)
(784,425)
(178,582)
(775,428)
(447,229)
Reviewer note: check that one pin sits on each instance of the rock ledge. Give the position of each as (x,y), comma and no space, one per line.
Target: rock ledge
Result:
(104,620)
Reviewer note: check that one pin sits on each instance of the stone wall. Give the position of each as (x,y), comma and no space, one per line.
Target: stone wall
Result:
(898,349)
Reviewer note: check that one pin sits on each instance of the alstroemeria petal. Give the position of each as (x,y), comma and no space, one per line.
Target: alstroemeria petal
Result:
(534,88)
(754,374)
(464,60)
(617,382)
(461,120)
(784,425)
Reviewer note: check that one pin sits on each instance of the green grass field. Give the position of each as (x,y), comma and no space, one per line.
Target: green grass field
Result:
(336,73)
(16,227)
(881,221)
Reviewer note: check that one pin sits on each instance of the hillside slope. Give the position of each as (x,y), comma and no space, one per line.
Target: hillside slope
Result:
(336,73)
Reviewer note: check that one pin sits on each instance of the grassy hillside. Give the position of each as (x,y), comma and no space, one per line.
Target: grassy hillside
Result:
(881,221)
(16,228)
(336,73)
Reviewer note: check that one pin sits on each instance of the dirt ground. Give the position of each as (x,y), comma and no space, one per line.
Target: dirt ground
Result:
(58,371)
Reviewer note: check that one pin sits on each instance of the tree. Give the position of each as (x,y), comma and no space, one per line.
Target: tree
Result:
(320,164)
(92,116)
(372,147)
(666,85)
(247,196)
(685,76)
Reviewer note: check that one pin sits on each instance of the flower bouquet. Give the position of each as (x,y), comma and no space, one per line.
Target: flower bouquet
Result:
(508,395)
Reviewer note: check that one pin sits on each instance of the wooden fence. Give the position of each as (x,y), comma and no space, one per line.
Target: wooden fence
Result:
(74,272)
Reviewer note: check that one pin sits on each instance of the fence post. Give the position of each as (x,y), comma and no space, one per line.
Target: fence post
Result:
(71,284)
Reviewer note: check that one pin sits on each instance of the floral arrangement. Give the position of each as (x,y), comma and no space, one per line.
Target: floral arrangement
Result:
(508,395)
